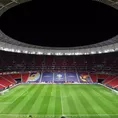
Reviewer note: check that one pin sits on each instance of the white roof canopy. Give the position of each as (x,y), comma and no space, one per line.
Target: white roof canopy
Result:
(12,45)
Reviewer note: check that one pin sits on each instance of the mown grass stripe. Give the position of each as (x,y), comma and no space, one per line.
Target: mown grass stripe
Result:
(37,105)
(106,106)
(98,105)
(79,101)
(46,99)
(85,100)
(23,101)
(10,95)
(58,107)
(70,101)
(80,107)
(16,102)
(32,99)
(66,108)
(111,98)
(51,106)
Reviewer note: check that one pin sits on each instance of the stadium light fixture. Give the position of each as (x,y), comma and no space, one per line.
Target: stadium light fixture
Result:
(112,50)
(18,51)
(93,52)
(32,52)
(25,51)
(116,49)
(48,53)
(67,53)
(58,53)
(39,53)
(12,50)
(106,51)
(77,53)
(99,52)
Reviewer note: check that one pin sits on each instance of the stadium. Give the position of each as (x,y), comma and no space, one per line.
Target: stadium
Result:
(38,81)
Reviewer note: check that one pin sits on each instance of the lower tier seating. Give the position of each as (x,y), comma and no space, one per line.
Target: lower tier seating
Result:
(109,78)
(93,77)
(114,82)
(24,77)
(4,82)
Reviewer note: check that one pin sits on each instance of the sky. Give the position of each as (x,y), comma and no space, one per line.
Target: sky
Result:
(60,24)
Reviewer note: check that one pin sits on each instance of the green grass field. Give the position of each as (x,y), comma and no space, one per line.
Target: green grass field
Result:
(53,101)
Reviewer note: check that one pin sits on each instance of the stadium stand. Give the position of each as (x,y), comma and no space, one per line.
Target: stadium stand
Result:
(9,79)
(85,78)
(71,77)
(69,60)
(113,82)
(59,61)
(24,77)
(103,76)
(47,77)
(33,77)
(93,77)
(48,60)
(80,60)
(1,86)
(90,63)
(59,77)
(39,60)
(66,68)
(108,79)
(15,76)
(4,82)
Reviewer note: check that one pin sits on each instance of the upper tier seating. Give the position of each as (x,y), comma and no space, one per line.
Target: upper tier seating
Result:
(59,61)
(39,60)
(92,63)
(80,60)
(49,60)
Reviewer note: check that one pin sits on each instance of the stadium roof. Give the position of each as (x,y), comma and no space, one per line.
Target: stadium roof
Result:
(9,44)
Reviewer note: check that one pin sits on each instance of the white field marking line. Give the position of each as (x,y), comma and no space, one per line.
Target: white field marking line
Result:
(108,88)
(14,99)
(20,95)
(61,104)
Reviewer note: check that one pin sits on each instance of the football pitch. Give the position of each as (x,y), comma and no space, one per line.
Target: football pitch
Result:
(56,100)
